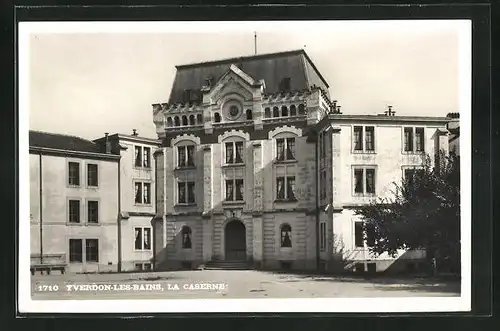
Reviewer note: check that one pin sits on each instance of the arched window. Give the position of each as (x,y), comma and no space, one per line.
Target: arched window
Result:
(186,237)
(286,235)
(177,121)
(184,120)
(217,117)
(191,120)
(293,110)
(276,112)
(302,109)
(199,119)
(284,111)
(169,121)
(267,112)
(249,114)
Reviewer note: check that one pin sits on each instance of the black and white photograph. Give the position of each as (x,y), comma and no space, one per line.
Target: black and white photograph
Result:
(251,166)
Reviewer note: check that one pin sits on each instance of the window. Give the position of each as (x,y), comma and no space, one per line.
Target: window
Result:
(412,174)
(142,239)
(234,190)
(234,152)
(146,152)
(358,140)
(142,157)
(185,156)
(74,211)
(413,139)
(185,192)
(364,181)
(370,235)
(286,235)
(186,237)
(419,139)
(369,138)
(74,174)
(322,238)
(364,138)
(358,234)
(323,184)
(360,267)
(138,156)
(217,118)
(142,193)
(285,149)
(371,267)
(75,250)
(92,211)
(285,188)
(92,175)
(91,250)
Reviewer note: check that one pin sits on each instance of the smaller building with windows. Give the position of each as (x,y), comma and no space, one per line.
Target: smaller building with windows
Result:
(137,197)
(73,203)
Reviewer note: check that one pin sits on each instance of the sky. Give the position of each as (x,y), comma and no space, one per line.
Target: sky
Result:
(88,81)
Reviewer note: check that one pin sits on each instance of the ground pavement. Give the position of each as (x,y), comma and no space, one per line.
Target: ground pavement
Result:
(232,284)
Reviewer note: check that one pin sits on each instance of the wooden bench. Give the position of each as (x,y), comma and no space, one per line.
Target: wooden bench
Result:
(48,263)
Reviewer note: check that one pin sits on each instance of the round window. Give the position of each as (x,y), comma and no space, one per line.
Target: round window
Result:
(233,111)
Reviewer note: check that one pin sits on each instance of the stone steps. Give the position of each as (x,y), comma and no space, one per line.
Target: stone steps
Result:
(228,265)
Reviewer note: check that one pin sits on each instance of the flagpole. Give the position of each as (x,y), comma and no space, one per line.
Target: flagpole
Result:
(255,42)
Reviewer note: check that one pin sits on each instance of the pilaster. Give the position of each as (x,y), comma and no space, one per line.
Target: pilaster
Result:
(208,228)
(207,179)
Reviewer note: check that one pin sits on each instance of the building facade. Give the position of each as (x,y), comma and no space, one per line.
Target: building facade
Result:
(137,187)
(258,164)
(96,217)
(73,203)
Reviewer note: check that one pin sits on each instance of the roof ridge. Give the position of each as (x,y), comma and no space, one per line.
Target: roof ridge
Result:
(239,58)
(62,135)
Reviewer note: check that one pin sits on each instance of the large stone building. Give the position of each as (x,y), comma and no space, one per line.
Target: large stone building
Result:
(258,164)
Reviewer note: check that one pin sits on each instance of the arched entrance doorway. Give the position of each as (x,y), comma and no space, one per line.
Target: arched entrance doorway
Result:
(235,241)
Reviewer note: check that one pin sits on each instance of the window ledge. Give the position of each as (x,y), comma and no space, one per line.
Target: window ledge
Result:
(364,195)
(142,168)
(92,224)
(237,202)
(363,152)
(143,204)
(413,152)
(74,186)
(92,186)
(75,224)
(185,168)
(284,161)
(143,251)
(188,204)
(229,165)
(285,200)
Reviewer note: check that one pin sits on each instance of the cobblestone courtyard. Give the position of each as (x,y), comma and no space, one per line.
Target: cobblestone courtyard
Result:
(236,284)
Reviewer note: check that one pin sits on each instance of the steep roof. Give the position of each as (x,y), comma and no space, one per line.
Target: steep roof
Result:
(62,142)
(272,68)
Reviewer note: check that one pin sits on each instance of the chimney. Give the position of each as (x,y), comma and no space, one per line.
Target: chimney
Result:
(107,143)
(134,132)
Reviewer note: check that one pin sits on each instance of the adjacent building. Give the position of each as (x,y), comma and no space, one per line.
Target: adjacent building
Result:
(73,203)
(259,164)
(92,202)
